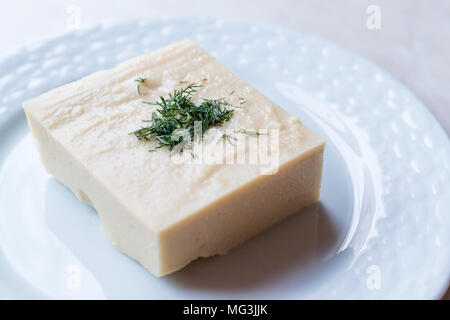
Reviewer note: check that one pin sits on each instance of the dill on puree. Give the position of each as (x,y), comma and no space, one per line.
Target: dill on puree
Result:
(178,112)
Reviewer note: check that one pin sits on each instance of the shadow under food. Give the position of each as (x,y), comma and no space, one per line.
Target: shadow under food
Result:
(291,246)
(274,256)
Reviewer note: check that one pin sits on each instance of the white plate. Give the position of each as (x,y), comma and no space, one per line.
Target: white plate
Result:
(381,229)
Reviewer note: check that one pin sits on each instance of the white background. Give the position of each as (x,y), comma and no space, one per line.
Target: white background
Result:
(413,42)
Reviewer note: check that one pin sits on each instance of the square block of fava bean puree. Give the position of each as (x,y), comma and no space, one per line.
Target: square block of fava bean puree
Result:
(180,157)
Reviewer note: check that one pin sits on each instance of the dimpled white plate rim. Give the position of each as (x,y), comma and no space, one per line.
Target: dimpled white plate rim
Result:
(380,229)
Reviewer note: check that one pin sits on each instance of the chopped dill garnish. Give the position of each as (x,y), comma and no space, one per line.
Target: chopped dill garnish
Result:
(229,138)
(177,112)
(141,80)
(232,92)
(242,101)
(249,132)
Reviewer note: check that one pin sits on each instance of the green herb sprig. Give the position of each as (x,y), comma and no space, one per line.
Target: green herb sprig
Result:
(249,132)
(178,112)
(231,138)
(141,80)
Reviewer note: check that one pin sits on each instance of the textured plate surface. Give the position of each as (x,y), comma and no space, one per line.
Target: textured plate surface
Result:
(380,229)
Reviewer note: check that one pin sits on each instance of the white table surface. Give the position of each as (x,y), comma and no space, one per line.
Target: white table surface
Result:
(413,42)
